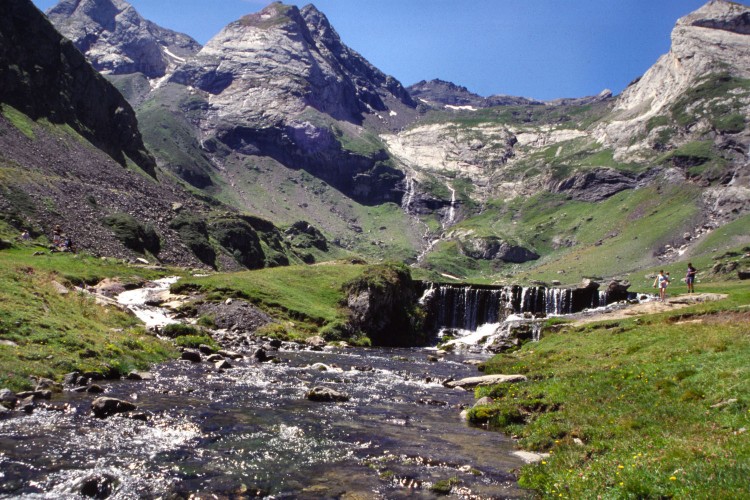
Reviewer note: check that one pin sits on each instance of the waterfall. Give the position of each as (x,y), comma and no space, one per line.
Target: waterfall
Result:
(409,197)
(468,307)
(452,210)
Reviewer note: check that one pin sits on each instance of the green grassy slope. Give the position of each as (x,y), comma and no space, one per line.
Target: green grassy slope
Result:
(47,334)
(642,408)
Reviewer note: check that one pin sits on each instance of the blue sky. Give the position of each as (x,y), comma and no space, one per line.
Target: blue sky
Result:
(535,48)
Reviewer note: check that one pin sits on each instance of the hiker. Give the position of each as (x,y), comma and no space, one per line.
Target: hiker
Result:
(25,236)
(661,282)
(57,236)
(690,277)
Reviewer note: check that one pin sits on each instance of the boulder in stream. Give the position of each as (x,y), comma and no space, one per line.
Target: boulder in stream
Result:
(105,407)
(191,355)
(326,395)
(470,382)
(99,486)
(8,398)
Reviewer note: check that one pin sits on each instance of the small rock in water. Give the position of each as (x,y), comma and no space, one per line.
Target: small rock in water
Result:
(433,359)
(261,355)
(47,384)
(71,378)
(205,349)
(105,407)
(230,354)
(316,342)
(485,380)
(139,376)
(98,486)
(320,367)
(191,355)
(95,389)
(325,394)
(223,365)
(214,358)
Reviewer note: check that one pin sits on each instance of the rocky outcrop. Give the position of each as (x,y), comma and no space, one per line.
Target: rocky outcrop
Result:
(43,75)
(595,185)
(494,248)
(382,304)
(117,40)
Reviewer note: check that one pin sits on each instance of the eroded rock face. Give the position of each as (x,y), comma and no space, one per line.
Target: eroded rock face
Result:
(595,185)
(117,40)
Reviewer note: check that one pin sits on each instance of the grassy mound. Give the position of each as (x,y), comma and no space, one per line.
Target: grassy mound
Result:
(649,408)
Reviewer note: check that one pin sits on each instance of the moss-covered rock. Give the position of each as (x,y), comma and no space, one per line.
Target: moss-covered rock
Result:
(193,232)
(133,234)
(383,305)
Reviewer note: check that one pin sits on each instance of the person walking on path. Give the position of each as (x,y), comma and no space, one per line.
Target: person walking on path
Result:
(690,277)
(661,282)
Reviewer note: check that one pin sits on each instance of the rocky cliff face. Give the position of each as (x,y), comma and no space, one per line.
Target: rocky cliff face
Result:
(45,76)
(117,40)
(714,40)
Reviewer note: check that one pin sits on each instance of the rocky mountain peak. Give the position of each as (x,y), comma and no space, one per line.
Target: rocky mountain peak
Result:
(721,15)
(117,40)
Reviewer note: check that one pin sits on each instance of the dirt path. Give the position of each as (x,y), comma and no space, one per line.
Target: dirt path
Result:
(671,304)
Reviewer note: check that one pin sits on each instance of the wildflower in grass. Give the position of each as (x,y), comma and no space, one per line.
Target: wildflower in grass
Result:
(620,466)
(672,478)
(544,463)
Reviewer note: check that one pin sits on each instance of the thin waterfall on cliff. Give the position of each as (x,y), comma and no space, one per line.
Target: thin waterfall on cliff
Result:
(409,195)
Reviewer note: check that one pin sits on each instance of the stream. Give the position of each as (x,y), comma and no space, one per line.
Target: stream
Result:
(249,431)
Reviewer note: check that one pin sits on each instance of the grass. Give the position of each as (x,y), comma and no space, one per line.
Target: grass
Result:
(53,334)
(650,408)
(306,297)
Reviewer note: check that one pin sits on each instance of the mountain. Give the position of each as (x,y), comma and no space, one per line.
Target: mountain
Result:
(276,116)
(72,156)
(281,84)
(117,40)
(437,92)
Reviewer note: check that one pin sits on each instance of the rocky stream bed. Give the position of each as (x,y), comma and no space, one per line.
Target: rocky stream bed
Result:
(249,426)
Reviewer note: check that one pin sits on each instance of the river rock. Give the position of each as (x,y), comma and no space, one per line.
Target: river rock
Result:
(45,394)
(325,394)
(94,389)
(206,349)
(47,384)
(617,290)
(223,365)
(485,380)
(27,404)
(104,407)
(316,342)
(191,355)
(8,398)
(213,358)
(320,367)
(230,354)
(71,378)
(140,376)
(4,411)
(99,486)
(261,355)
(530,457)
(484,401)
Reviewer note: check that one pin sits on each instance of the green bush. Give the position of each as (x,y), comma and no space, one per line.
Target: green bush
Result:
(174,330)
(133,234)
